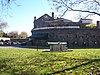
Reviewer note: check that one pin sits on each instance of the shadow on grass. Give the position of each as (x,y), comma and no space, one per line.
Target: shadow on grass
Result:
(74,67)
(31,47)
(3,64)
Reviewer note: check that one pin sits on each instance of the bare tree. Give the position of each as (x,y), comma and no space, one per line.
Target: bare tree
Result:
(7,3)
(6,6)
(23,34)
(13,34)
(89,7)
(3,24)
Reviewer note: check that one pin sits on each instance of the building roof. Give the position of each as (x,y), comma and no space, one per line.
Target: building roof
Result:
(4,38)
(85,19)
(57,43)
(44,35)
(45,16)
(62,23)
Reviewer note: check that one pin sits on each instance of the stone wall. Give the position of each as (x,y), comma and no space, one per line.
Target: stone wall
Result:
(74,37)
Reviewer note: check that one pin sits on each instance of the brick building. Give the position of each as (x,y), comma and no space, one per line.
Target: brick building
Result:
(46,28)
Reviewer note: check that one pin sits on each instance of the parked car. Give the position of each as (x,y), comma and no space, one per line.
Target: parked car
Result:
(1,43)
(24,43)
(18,43)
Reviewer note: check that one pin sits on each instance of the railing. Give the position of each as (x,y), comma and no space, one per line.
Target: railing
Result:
(56,27)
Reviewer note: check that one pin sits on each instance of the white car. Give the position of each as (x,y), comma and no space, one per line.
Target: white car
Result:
(1,43)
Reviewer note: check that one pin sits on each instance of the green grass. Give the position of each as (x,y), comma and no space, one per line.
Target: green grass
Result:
(18,61)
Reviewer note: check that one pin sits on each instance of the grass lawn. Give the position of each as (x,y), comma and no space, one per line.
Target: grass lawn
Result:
(18,61)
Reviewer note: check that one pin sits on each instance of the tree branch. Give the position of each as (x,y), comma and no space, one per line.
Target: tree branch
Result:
(79,9)
(97,2)
(86,11)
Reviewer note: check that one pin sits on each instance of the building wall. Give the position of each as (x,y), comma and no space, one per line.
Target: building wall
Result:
(74,37)
(74,33)
(40,22)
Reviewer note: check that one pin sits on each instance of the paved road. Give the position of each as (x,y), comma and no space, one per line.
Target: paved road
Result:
(15,47)
(35,47)
(8,47)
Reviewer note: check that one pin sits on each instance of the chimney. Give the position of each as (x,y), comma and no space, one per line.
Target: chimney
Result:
(98,24)
(53,15)
(34,22)
(34,18)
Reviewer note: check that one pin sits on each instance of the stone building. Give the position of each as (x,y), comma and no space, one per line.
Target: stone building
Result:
(47,29)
